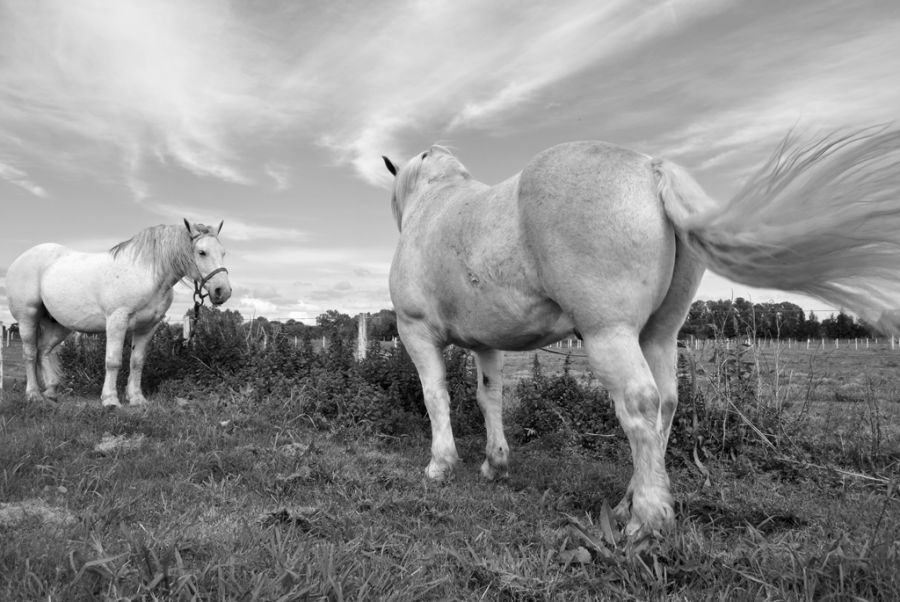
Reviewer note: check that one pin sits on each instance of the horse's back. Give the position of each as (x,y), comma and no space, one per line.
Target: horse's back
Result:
(52,279)
(23,278)
(591,217)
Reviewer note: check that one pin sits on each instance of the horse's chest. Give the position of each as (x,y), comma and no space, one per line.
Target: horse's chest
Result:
(151,312)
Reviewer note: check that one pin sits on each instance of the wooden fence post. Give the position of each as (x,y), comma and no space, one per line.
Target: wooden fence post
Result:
(361,338)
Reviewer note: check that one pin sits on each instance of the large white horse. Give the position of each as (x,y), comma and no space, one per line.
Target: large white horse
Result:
(53,290)
(610,244)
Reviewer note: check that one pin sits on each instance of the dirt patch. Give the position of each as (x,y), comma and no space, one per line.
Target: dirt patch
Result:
(110,443)
(15,513)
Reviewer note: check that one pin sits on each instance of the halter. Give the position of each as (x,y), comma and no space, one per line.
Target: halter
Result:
(199,295)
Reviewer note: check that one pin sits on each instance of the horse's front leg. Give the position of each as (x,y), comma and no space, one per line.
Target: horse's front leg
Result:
(490,400)
(116,327)
(139,341)
(426,355)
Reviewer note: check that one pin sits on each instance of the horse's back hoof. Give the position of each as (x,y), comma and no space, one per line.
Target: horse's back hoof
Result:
(35,397)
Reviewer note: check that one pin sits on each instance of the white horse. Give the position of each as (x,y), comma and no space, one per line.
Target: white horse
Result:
(610,244)
(53,290)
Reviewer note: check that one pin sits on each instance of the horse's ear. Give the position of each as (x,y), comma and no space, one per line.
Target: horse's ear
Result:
(187,225)
(389,165)
(222,223)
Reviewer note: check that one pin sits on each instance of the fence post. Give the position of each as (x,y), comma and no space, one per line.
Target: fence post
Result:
(361,338)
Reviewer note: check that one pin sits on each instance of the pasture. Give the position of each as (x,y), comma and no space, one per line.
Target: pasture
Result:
(220,494)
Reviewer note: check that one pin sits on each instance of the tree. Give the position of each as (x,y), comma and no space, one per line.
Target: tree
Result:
(333,324)
(383,325)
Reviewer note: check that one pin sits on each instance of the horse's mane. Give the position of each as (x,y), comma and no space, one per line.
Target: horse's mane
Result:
(166,249)
(406,181)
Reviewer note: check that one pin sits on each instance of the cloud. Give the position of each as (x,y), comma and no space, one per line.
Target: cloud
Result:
(324,259)
(280,175)
(19,178)
(258,306)
(234,228)
(453,66)
(166,80)
(827,80)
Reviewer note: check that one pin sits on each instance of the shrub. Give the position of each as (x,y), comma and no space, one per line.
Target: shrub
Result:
(563,410)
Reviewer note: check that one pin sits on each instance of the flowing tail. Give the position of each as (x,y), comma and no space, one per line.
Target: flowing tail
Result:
(821,217)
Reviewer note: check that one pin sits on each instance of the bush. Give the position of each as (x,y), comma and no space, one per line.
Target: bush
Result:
(382,393)
(563,410)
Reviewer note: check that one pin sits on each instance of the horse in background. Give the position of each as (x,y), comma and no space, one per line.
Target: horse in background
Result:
(610,244)
(54,290)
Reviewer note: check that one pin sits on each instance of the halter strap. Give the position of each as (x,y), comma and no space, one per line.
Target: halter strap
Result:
(199,295)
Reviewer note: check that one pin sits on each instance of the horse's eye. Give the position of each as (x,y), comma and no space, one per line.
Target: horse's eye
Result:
(202,253)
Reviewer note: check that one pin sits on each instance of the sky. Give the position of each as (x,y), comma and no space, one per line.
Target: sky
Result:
(273,116)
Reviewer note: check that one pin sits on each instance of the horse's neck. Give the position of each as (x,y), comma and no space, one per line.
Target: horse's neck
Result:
(178,266)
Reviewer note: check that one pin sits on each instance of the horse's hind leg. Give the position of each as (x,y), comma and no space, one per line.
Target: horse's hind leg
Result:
(51,335)
(426,355)
(28,332)
(659,338)
(490,400)
(616,358)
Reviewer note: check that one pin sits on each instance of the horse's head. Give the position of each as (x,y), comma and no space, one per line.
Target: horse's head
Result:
(209,256)
(435,166)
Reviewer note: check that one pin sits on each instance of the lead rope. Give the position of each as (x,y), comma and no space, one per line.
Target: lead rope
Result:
(191,318)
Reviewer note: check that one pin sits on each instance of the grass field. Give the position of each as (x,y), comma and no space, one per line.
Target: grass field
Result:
(211,497)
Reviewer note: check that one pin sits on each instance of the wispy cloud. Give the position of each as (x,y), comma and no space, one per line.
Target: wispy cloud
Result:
(182,81)
(503,58)
(826,84)
(16,176)
(234,228)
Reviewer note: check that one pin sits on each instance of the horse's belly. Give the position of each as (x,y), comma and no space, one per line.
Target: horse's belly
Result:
(500,326)
(74,308)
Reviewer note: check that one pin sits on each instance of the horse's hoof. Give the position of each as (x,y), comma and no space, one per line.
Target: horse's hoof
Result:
(110,402)
(622,511)
(439,471)
(494,473)
(645,518)
(35,397)
(137,401)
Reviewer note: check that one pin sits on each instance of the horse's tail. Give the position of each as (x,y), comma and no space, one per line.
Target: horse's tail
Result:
(821,217)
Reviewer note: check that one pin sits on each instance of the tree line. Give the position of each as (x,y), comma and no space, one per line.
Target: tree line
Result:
(706,320)
(782,320)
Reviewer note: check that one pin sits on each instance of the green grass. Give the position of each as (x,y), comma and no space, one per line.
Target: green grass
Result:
(224,500)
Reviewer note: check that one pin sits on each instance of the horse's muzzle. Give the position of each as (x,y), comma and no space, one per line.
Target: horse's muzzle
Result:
(219,294)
